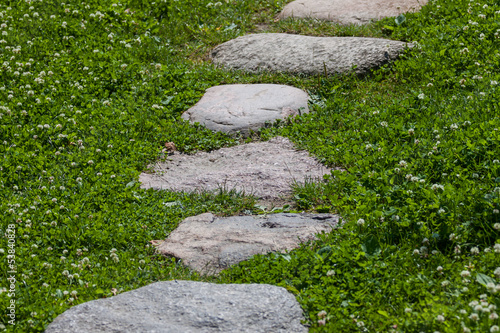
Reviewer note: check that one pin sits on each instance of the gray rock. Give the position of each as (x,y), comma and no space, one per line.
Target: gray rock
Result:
(209,244)
(264,169)
(308,55)
(187,306)
(244,107)
(349,11)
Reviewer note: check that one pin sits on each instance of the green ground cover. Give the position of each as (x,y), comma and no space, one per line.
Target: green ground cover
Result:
(90,91)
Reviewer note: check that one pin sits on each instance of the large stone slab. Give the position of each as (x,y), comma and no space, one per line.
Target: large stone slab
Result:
(244,107)
(264,169)
(308,55)
(187,306)
(349,11)
(209,244)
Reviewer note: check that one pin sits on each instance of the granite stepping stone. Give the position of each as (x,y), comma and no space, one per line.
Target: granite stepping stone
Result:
(209,244)
(278,52)
(263,169)
(187,306)
(244,107)
(349,11)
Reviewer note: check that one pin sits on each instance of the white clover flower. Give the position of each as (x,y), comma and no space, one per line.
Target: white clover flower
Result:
(408,310)
(474,316)
(493,316)
(360,222)
(384,124)
(440,318)
(474,250)
(497,248)
(465,274)
(421,96)
(494,328)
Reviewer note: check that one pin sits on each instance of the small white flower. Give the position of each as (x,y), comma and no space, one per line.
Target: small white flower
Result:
(360,222)
(421,96)
(440,318)
(465,274)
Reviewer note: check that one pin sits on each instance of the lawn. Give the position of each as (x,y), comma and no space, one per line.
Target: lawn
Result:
(91,91)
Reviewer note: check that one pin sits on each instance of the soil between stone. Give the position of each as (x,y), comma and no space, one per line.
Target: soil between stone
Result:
(263,169)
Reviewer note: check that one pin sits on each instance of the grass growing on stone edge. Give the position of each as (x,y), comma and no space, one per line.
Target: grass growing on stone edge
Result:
(90,94)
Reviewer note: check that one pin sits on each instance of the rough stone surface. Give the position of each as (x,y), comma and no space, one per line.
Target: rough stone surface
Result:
(187,306)
(308,55)
(349,11)
(264,169)
(244,107)
(208,244)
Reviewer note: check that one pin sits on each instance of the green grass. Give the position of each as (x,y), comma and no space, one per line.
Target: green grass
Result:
(86,105)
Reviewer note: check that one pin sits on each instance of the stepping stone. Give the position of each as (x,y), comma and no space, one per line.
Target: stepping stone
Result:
(349,11)
(209,244)
(244,107)
(264,169)
(187,306)
(278,52)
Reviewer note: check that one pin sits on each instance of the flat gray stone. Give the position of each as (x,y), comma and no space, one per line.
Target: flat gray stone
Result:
(187,306)
(264,169)
(277,52)
(349,11)
(244,107)
(209,244)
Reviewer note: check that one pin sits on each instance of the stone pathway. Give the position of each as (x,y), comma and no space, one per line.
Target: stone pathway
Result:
(264,169)
(296,54)
(349,11)
(187,306)
(209,244)
(244,107)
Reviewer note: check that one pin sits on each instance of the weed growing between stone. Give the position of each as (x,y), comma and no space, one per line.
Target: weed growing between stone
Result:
(90,92)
